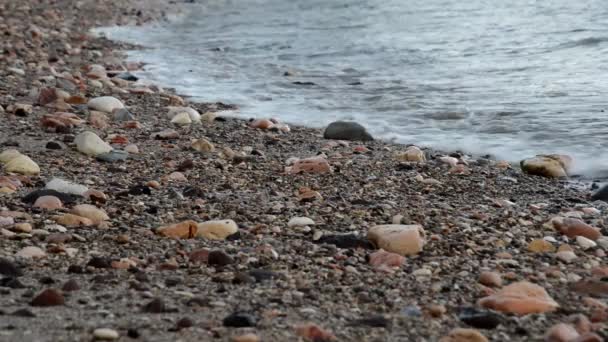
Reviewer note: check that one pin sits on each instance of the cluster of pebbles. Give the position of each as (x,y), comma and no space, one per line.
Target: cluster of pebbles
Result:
(127,213)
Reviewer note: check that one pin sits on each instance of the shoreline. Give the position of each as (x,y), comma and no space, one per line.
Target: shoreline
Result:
(277,278)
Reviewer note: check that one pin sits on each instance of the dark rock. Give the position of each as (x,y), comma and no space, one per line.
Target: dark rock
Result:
(24,313)
(240,320)
(100,262)
(305,83)
(346,241)
(185,322)
(71,285)
(77,269)
(219,258)
(65,198)
(480,319)
(601,194)
(243,278)
(127,76)
(113,156)
(138,190)
(372,321)
(157,305)
(172,281)
(46,280)
(54,145)
(142,277)
(193,192)
(234,237)
(133,333)
(12,283)
(185,165)
(198,301)
(48,297)
(346,130)
(261,275)
(9,268)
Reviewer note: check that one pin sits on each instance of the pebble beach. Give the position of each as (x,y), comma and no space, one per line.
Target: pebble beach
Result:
(128,213)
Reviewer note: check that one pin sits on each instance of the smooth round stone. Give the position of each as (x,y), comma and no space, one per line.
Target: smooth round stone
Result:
(31,252)
(300,222)
(396,238)
(90,144)
(105,334)
(106,104)
(192,114)
(91,212)
(181,119)
(113,156)
(203,145)
(66,187)
(23,165)
(48,202)
(8,155)
(346,130)
(216,230)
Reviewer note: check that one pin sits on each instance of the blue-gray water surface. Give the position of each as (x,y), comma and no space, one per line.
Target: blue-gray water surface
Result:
(507,78)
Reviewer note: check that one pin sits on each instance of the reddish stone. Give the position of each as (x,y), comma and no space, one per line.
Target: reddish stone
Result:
(561,332)
(386,261)
(199,256)
(520,298)
(46,96)
(120,140)
(310,165)
(314,333)
(48,297)
(261,124)
(132,125)
(48,202)
(491,279)
(572,228)
(76,99)
(182,230)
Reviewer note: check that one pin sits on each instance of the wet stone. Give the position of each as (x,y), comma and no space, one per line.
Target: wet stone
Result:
(156,305)
(219,258)
(113,156)
(261,275)
(75,269)
(63,197)
(9,268)
(184,322)
(480,319)
(54,145)
(100,262)
(24,312)
(12,283)
(239,320)
(377,321)
(138,190)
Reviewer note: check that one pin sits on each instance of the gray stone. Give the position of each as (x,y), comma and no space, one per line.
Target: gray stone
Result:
(123,115)
(113,156)
(346,130)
